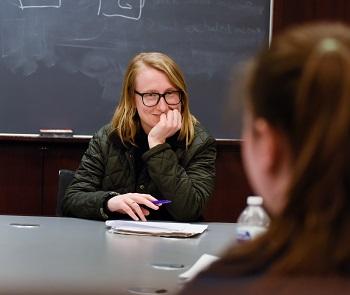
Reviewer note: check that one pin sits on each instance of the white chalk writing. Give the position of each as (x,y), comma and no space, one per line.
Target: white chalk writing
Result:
(129,9)
(39,3)
(112,8)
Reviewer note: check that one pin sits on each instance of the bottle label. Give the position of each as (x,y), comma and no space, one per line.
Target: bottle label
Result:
(249,232)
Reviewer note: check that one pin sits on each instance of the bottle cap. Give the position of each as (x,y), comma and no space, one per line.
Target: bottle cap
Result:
(254,200)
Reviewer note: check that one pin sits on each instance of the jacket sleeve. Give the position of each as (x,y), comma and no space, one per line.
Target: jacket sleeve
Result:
(83,198)
(188,187)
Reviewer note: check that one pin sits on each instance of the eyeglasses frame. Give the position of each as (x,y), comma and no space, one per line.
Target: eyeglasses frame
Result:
(160,95)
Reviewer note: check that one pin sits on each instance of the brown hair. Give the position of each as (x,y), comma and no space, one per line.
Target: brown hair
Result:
(301,85)
(125,121)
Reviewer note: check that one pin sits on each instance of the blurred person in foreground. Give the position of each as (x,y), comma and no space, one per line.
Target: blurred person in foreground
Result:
(296,151)
(154,148)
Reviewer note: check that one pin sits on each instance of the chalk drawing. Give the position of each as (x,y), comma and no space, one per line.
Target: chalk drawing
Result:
(120,8)
(23,4)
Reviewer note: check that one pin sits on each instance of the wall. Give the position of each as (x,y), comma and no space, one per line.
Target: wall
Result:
(29,168)
(287,12)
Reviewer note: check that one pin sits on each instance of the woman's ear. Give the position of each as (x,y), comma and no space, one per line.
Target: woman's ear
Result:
(267,161)
(269,142)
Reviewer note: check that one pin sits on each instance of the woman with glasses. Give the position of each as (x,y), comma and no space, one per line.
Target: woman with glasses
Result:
(154,148)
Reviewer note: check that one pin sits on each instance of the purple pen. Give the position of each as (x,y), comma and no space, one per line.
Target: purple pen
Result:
(160,202)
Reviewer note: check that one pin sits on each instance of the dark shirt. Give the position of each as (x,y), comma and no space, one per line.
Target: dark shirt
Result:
(142,147)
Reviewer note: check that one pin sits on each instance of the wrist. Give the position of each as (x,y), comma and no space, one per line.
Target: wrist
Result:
(104,210)
(152,142)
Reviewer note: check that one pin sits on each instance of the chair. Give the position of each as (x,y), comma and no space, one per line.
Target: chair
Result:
(65,178)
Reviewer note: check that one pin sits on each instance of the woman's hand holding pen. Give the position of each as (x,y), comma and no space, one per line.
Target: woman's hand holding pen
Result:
(169,123)
(130,204)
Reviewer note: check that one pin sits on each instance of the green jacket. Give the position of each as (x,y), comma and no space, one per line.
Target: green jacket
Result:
(166,171)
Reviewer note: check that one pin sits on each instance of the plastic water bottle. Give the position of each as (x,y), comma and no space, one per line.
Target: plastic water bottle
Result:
(253,221)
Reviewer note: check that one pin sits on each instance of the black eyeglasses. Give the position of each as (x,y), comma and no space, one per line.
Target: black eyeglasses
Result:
(151,99)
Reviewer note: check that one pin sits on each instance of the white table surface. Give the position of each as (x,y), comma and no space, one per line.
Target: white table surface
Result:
(75,256)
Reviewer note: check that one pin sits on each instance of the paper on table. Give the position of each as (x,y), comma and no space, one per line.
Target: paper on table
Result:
(201,264)
(161,229)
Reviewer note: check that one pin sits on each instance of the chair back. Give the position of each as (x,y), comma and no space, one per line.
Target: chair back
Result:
(65,178)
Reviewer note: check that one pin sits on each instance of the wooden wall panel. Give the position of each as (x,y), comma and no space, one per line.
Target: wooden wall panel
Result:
(56,157)
(287,12)
(231,185)
(20,179)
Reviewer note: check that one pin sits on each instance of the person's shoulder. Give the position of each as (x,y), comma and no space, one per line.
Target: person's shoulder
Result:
(108,136)
(201,135)
(103,133)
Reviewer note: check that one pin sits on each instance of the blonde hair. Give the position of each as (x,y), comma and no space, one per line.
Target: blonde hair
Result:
(125,122)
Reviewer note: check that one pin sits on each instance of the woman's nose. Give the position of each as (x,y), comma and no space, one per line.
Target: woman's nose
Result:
(162,105)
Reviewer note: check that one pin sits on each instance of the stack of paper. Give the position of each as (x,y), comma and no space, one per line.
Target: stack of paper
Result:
(161,229)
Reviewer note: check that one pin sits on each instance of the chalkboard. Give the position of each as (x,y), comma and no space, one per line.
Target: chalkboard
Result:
(62,61)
